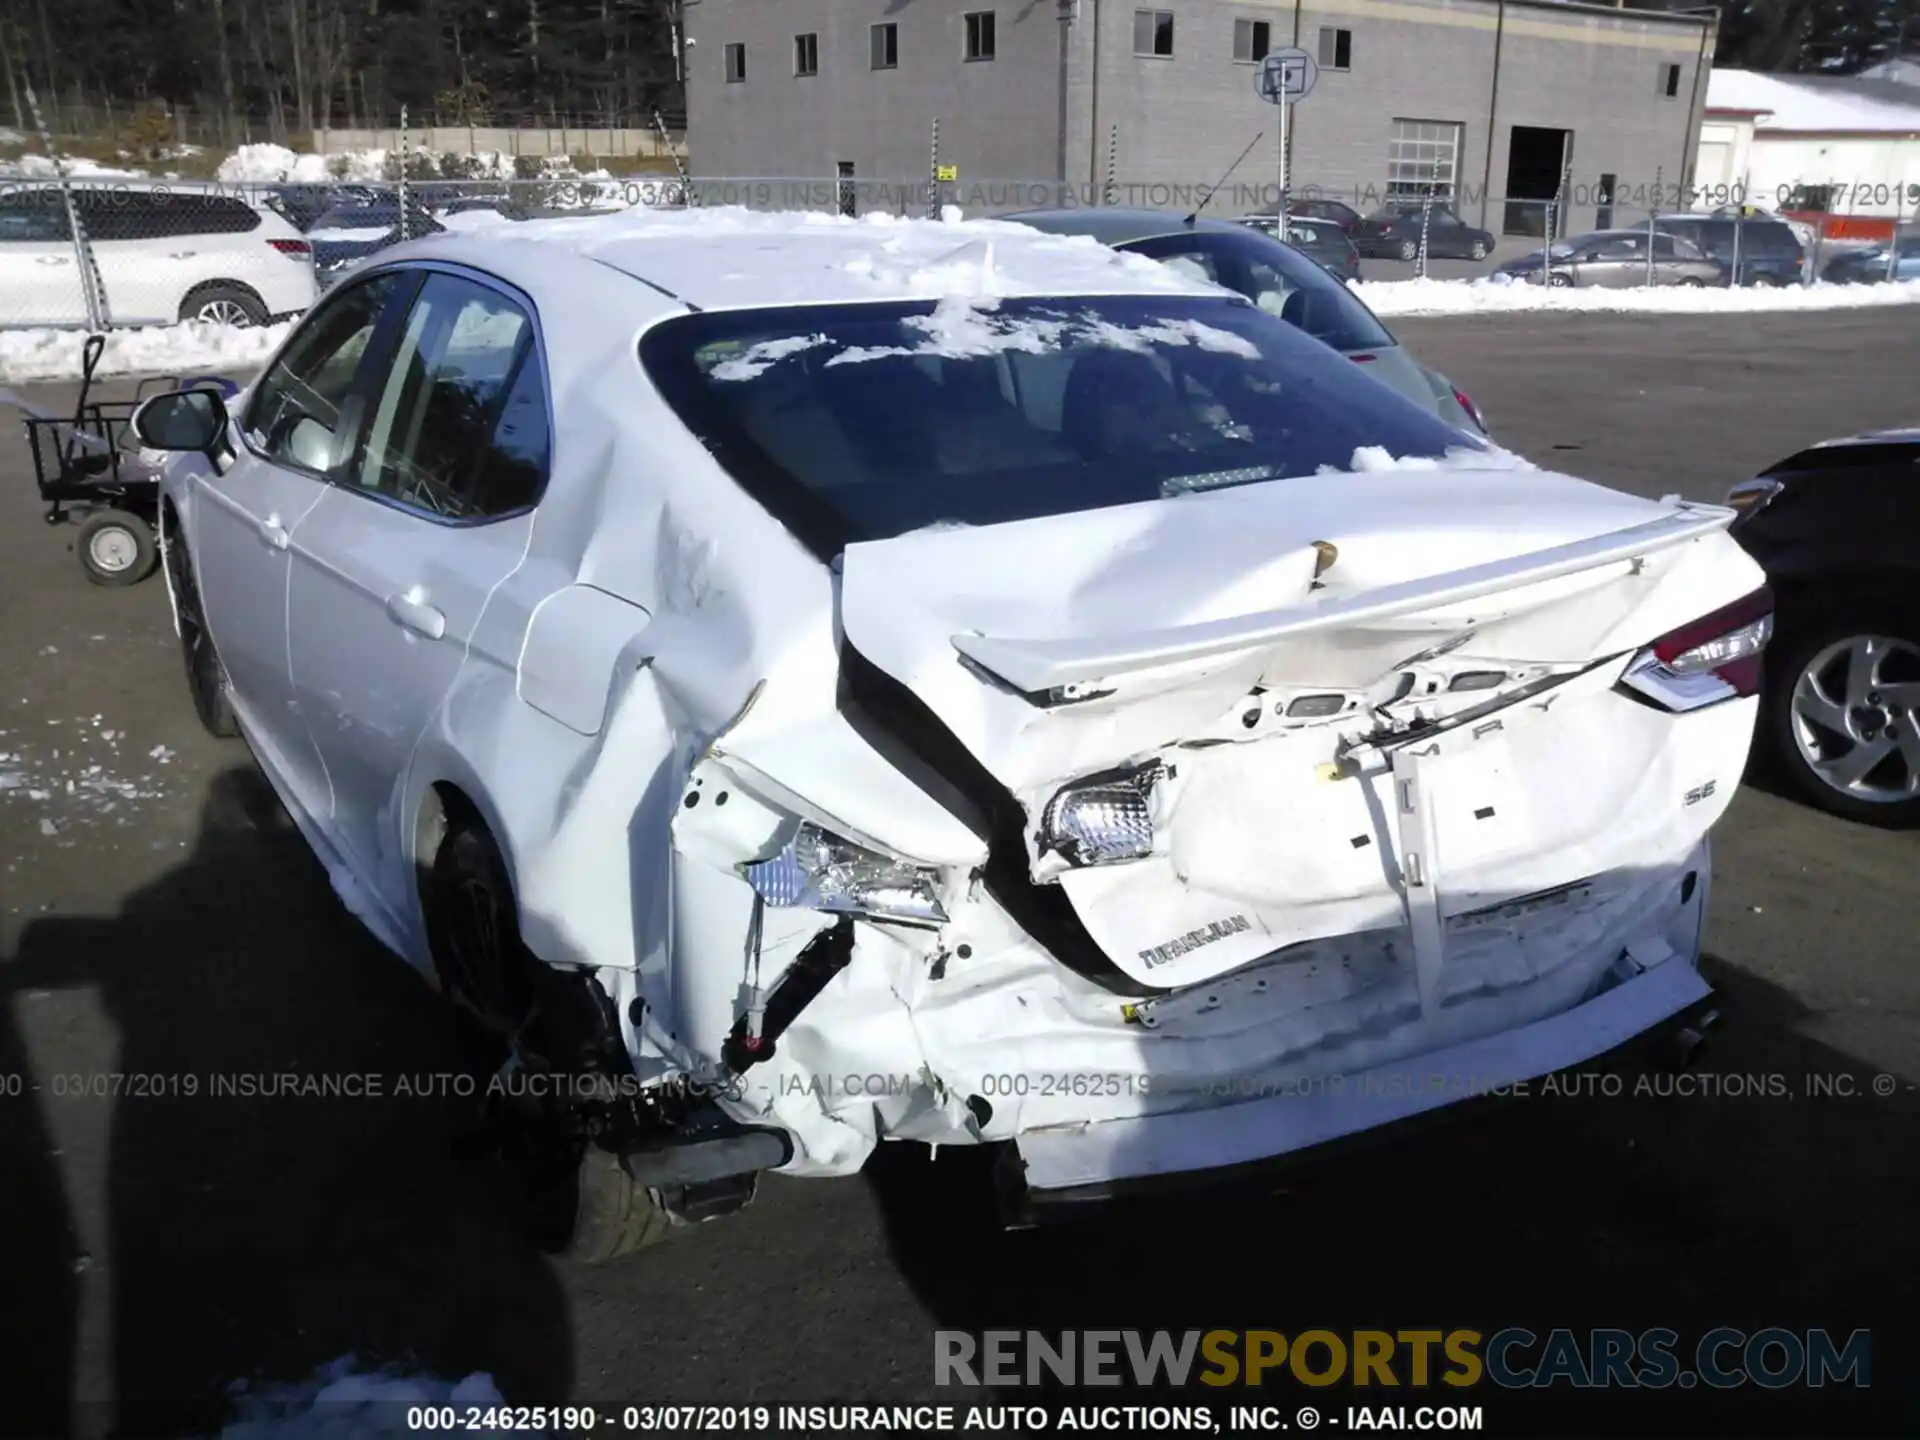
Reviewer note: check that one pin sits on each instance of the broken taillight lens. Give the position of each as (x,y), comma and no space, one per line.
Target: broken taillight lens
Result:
(1714,658)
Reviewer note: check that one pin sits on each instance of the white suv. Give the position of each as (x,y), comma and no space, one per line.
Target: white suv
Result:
(164,254)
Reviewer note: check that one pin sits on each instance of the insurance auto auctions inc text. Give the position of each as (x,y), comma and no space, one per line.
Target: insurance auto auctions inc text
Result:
(1513,1358)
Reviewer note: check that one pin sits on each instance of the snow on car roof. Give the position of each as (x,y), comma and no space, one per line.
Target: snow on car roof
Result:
(733,258)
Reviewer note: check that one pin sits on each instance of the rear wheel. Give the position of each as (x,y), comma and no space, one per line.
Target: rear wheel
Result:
(206,676)
(1843,709)
(116,548)
(1693,282)
(1479,250)
(569,1197)
(1409,250)
(1563,282)
(224,302)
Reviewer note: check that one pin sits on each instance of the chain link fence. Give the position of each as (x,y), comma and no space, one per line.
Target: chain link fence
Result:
(81,250)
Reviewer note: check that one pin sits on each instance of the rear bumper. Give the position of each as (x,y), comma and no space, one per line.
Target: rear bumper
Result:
(1065,1166)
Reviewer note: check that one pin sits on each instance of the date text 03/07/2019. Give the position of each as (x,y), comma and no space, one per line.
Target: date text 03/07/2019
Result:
(823,1419)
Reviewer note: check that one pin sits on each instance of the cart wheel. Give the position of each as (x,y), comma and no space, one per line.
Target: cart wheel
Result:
(117,548)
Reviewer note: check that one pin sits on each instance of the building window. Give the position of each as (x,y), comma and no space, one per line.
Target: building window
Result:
(883,42)
(1153,32)
(736,64)
(1669,80)
(980,35)
(1423,158)
(1252,39)
(806,54)
(1336,48)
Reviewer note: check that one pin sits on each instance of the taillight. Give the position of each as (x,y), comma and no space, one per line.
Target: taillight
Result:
(1714,658)
(1473,410)
(1363,359)
(292,247)
(1750,497)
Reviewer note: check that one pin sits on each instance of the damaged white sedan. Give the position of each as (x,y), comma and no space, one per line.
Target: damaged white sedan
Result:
(801,683)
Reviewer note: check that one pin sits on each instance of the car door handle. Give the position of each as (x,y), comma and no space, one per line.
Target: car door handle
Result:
(52,260)
(273,532)
(410,608)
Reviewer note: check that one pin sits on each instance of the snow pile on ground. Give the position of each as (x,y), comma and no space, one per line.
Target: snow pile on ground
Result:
(276,164)
(39,167)
(43,354)
(1486,297)
(342,1402)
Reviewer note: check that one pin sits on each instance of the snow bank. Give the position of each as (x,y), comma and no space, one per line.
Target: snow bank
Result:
(276,164)
(270,164)
(39,167)
(173,349)
(1487,297)
(342,1402)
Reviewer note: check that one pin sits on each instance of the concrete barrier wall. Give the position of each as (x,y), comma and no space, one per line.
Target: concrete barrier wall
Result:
(469,139)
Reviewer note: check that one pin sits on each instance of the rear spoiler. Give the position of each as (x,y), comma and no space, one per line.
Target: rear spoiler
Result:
(1038,666)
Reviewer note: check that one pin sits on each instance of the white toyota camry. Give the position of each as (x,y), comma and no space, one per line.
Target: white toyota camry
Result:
(798,683)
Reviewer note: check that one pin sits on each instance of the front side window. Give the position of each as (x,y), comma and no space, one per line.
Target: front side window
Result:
(458,426)
(295,416)
(862,422)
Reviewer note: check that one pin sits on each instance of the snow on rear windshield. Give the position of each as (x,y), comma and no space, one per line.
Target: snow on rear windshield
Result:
(863,421)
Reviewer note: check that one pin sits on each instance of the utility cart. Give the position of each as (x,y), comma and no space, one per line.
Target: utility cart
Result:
(91,469)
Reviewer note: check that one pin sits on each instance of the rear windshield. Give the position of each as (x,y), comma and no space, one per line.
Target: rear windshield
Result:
(862,422)
(1277,278)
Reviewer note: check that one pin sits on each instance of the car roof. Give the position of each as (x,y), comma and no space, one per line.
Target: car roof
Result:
(1120,224)
(735,259)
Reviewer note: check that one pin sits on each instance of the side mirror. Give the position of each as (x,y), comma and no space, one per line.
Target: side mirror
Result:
(189,420)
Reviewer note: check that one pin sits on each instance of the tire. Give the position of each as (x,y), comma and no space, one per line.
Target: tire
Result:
(1479,250)
(1561,282)
(1409,250)
(206,676)
(1810,716)
(224,302)
(570,1198)
(116,548)
(1692,282)
(1764,282)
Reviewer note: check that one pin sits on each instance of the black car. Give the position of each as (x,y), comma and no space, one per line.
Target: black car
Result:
(348,233)
(1320,239)
(1753,250)
(1871,265)
(1834,528)
(1394,231)
(1310,207)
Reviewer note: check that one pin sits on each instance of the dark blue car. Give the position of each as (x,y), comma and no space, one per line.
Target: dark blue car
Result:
(347,234)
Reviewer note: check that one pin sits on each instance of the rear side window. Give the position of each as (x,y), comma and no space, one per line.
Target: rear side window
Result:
(459,426)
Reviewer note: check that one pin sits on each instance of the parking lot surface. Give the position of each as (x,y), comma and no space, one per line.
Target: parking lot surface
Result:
(160,922)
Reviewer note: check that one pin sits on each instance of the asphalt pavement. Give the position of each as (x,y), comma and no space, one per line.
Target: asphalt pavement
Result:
(161,923)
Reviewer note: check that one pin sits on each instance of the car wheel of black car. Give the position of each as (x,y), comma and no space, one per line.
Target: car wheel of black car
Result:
(206,676)
(1409,250)
(1479,250)
(116,548)
(1843,712)
(224,303)
(568,1196)
(1764,281)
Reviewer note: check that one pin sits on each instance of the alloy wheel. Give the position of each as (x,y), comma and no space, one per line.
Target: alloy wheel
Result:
(1856,718)
(225,312)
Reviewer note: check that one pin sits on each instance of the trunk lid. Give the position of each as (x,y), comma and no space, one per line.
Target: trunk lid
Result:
(1264,642)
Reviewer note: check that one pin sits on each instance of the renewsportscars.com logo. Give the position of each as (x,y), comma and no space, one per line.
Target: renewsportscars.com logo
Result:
(1514,1358)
